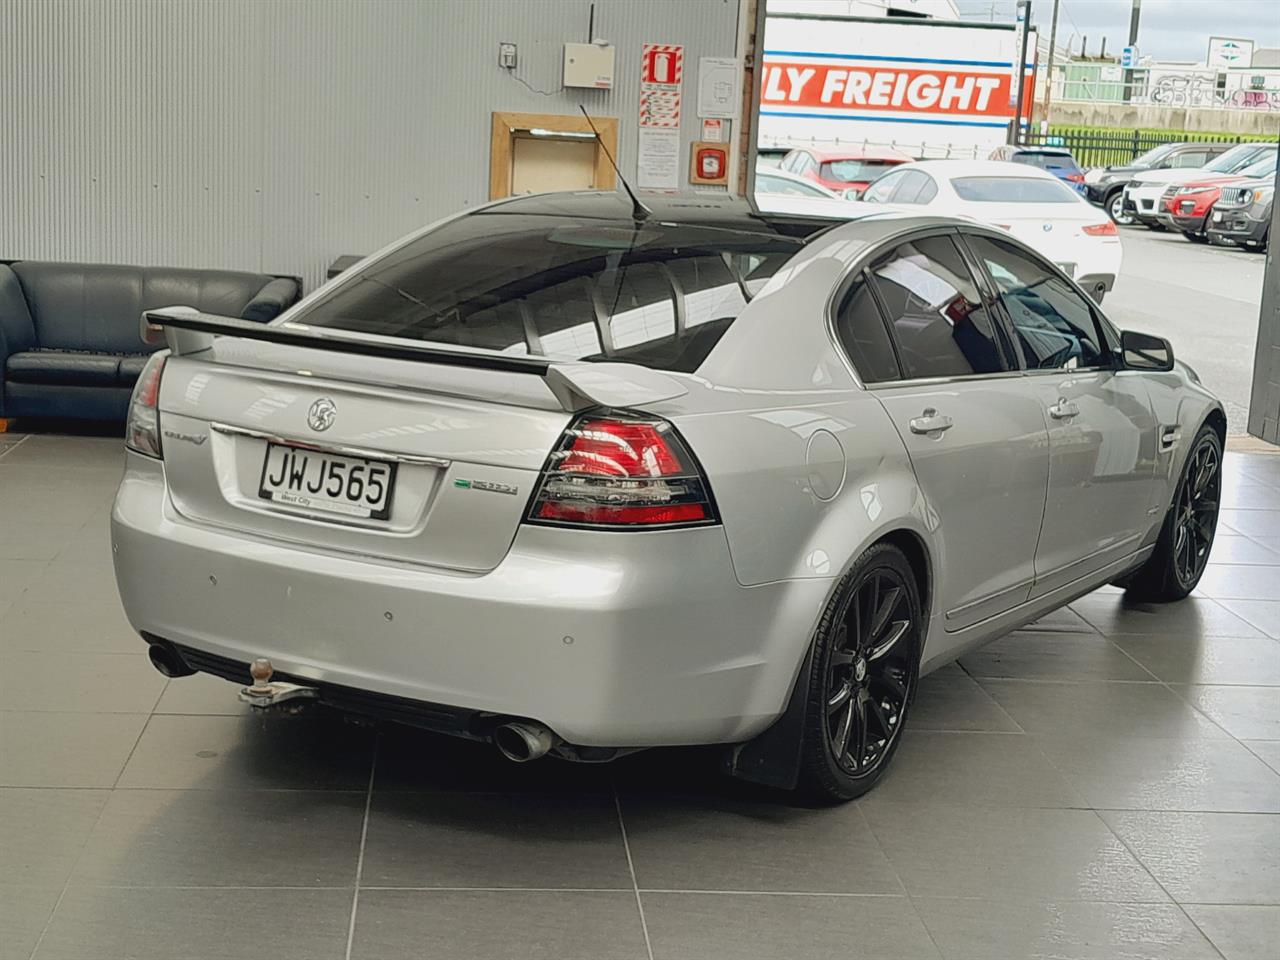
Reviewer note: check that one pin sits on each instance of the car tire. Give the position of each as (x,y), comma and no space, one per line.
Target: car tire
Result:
(1114,205)
(1189,526)
(1156,226)
(862,677)
(1195,237)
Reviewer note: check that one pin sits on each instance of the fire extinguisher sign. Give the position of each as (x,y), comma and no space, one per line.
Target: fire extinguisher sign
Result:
(661,73)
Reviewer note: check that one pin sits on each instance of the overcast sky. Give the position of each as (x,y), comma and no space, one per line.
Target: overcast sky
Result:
(1168,30)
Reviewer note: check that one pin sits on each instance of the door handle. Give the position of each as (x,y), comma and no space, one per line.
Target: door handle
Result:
(1064,409)
(931,421)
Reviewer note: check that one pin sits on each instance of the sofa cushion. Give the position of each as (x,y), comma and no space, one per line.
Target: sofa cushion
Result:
(86,306)
(63,368)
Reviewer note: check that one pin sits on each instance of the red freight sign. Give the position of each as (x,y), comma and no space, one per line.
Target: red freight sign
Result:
(897,89)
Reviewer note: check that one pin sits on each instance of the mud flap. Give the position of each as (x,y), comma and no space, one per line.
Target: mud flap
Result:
(773,758)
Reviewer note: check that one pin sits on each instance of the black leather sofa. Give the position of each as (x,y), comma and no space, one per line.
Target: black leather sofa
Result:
(70,344)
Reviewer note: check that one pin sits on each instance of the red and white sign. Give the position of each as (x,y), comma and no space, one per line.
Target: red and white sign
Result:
(938,92)
(661,73)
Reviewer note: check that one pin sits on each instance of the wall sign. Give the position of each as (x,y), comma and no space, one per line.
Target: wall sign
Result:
(719,90)
(661,75)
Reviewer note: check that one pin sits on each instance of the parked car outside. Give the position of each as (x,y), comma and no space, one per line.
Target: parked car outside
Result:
(1032,205)
(1242,215)
(850,168)
(1187,207)
(771,156)
(1056,160)
(580,479)
(1104,186)
(1143,193)
(778,191)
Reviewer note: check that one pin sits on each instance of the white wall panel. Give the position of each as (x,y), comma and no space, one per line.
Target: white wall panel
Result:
(276,135)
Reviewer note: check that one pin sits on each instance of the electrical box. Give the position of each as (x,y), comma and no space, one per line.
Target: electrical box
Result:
(588,65)
(507,56)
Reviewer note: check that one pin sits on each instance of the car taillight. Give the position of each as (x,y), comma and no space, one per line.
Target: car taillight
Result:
(1075,177)
(623,471)
(142,431)
(1107,229)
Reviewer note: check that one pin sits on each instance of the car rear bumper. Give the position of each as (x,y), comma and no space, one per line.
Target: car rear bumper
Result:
(611,639)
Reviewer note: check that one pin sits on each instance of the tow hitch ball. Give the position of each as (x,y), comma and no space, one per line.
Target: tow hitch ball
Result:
(264,692)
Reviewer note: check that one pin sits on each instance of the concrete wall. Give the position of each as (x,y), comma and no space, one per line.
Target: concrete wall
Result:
(1264,403)
(275,135)
(1134,116)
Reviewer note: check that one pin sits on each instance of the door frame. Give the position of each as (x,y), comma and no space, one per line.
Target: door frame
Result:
(508,126)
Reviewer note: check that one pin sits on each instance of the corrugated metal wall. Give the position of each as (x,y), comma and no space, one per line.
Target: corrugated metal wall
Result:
(276,135)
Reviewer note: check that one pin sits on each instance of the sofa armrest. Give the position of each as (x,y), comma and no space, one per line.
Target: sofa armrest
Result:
(17,331)
(271,301)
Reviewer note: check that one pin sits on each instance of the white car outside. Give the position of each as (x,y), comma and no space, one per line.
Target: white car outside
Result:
(779,191)
(1142,194)
(1034,206)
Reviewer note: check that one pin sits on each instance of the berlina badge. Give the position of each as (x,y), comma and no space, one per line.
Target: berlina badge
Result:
(322,414)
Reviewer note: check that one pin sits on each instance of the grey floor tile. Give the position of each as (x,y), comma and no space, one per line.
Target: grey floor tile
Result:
(987,929)
(1029,655)
(950,699)
(88,581)
(487,925)
(450,839)
(1239,932)
(701,844)
(710,926)
(1115,613)
(203,694)
(1226,660)
(17,575)
(1206,857)
(992,769)
(36,540)
(1249,713)
(80,453)
(1132,774)
(24,911)
(1234,548)
(1264,615)
(1100,709)
(263,838)
(309,752)
(1063,620)
(65,749)
(1240,581)
(67,626)
(121,923)
(1252,523)
(42,832)
(1249,495)
(76,682)
(1014,854)
(1268,751)
(418,761)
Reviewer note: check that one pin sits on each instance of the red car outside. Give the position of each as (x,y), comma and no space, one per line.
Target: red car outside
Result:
(1185,207)
(839,170)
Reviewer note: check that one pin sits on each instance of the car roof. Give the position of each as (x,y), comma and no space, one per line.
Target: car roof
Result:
(979,168)
(865,152)
(1055,151)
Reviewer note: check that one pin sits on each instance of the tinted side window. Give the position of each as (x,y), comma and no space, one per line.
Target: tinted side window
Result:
(1194,159)
(881,189)
(909,187)
(939,323)
(928,191)
(862,331)
(1054,324)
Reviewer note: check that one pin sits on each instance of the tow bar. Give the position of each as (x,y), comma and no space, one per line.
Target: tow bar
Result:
(264,692)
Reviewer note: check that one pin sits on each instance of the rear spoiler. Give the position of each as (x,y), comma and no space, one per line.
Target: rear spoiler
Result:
(575,385)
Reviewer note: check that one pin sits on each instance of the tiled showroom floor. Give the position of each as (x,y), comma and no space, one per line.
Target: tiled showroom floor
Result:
(1103,785)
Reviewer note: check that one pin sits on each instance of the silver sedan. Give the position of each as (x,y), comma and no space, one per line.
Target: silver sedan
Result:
(579,478)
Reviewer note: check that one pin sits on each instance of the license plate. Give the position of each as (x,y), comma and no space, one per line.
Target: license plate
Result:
(327,482)
(1217,216)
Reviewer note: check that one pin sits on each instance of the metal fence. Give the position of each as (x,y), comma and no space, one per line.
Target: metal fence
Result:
(1100,148)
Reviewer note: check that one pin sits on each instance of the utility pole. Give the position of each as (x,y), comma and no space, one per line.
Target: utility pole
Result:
(1048,73)
(1023,18)
(1133,40)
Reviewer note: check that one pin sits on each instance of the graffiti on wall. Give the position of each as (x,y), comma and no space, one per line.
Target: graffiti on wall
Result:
(1201,90)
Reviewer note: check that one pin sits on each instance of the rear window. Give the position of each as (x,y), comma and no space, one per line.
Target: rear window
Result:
(855,171)
(1012,190)
(1046,161)
(658,295)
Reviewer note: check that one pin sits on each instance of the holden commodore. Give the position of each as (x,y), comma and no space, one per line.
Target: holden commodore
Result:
(579,478)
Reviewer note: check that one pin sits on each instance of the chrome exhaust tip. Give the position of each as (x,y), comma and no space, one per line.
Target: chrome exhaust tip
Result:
(168,661)
(522,742)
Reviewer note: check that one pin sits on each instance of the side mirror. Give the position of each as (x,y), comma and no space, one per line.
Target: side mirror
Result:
(1142,351)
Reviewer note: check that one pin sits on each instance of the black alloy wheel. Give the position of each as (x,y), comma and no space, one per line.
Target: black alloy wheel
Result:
(1196,513)
(1182,551)
(864,675)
